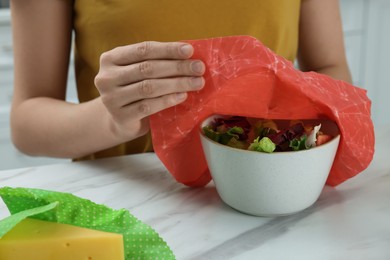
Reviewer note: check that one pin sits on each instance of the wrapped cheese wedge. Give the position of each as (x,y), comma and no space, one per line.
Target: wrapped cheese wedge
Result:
(245,78)
(53,225)
(42,240)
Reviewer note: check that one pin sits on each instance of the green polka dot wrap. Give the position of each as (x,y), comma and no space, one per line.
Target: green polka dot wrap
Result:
(140,240)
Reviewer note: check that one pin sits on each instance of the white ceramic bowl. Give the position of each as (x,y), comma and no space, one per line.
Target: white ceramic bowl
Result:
(275,184)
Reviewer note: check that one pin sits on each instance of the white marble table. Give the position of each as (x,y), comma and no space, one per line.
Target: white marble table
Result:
(351,221)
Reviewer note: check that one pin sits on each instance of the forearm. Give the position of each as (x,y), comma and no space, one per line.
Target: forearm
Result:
(340,72)
(49,127)
(321,39)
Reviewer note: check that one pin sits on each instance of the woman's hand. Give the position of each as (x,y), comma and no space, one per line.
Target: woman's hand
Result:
(136,81)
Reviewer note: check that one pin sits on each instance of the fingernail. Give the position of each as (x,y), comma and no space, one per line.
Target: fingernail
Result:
(181,96)
(186,50)
(197,67)
(197,82)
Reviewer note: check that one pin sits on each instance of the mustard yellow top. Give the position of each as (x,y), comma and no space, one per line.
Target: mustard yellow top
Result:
(102,25)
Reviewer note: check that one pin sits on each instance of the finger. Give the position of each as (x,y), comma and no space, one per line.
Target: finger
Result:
(147,107)
(153,88)
(149,50)
(157,69)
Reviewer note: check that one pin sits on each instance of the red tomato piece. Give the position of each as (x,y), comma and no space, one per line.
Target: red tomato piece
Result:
(321,139)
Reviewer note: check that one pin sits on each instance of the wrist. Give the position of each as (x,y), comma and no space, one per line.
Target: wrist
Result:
(118,132)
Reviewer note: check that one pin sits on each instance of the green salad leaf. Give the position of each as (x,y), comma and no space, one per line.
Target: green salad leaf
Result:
(263,145)
(229,137)
(299,143)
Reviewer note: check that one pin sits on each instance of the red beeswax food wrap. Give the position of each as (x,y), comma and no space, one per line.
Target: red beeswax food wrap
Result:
(245,78)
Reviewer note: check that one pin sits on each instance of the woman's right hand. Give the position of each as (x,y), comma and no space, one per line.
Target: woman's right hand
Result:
(136,81)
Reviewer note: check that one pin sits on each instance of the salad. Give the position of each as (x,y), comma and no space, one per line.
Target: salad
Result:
(264,135)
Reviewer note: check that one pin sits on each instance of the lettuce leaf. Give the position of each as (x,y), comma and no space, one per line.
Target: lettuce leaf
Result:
(263,145)
(230,137)
(299,143)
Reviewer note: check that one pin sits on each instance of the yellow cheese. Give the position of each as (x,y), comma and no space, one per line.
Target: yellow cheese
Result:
(41,240)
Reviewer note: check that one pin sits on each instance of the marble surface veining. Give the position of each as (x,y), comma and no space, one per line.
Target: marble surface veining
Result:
(351,221)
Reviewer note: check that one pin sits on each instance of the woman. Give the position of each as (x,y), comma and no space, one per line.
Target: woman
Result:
(129,63)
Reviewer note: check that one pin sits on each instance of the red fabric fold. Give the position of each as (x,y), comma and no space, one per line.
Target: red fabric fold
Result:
(245,78)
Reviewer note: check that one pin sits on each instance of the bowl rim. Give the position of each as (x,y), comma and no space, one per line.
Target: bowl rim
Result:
(335,138)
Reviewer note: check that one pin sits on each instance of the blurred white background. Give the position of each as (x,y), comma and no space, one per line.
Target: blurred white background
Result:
(366,26)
